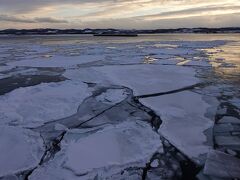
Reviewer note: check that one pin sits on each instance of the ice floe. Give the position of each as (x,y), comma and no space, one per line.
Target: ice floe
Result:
(184,121)
(143,79)
(102,153)
(32,106)
(221,165)
(20,149)
(112,96)
(104,131)
(57,61)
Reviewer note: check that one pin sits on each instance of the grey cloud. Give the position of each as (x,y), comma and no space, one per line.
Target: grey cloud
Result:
(16,7)
(8,18)
(199,21)
(31,5)
(50,20)
(191,11)
(23,6)
(15,19)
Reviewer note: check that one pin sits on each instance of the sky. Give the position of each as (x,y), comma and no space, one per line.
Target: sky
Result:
(121,14)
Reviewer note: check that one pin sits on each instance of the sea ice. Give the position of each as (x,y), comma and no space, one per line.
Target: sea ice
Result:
(32,106)
(104,152)
(112,96)
(184,121)
(222,165)
(20,150)
(57,61)
(143,79)
(147,79)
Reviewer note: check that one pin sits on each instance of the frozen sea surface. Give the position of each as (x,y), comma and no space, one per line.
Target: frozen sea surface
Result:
(102,153)
(184,121)
(35,105)
(147,107)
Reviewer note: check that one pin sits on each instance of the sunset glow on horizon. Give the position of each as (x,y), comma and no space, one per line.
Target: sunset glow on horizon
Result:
(126,14)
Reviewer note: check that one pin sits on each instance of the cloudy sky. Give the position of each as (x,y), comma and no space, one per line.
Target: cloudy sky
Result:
(127,14)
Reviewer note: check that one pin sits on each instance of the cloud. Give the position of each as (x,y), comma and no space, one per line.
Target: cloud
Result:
(199,11)
(19,6)
(15,19)
(8,18)
(26,6)
(50,20)
(154,9)
(228,20)
(117,13)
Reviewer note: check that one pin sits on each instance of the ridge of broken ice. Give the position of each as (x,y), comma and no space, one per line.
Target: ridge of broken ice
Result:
(102,153)
(102,147)
(142,79)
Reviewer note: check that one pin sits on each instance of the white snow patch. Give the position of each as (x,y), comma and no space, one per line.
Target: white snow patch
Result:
(155,163)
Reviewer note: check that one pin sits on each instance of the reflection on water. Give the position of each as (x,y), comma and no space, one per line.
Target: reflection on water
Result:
(226,60)
(81,39)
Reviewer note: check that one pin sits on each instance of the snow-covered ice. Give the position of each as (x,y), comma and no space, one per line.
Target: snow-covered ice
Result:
(184,121)
(92,124)
(112,96)
(20,150)
(221,165)
(148,79)
(35,105)
(104,152)
(57,61)
(127,143)
(143,79)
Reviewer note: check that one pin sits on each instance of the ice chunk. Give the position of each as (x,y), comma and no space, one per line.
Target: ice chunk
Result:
(5,68)
(229,119)
(222,165)
(123,144)
(147,79)
(102,153)
(32,106)
(86,75)
(155,163)
(227,140)
(57,61)
(183,119)
(20,150)
(112,96)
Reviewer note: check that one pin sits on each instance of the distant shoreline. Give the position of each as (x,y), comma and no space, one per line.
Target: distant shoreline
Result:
(118,31)
(92,35)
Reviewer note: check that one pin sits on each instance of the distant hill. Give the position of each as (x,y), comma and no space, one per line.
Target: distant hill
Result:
(48,31)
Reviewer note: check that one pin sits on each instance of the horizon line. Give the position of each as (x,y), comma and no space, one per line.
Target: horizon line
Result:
(123,28)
